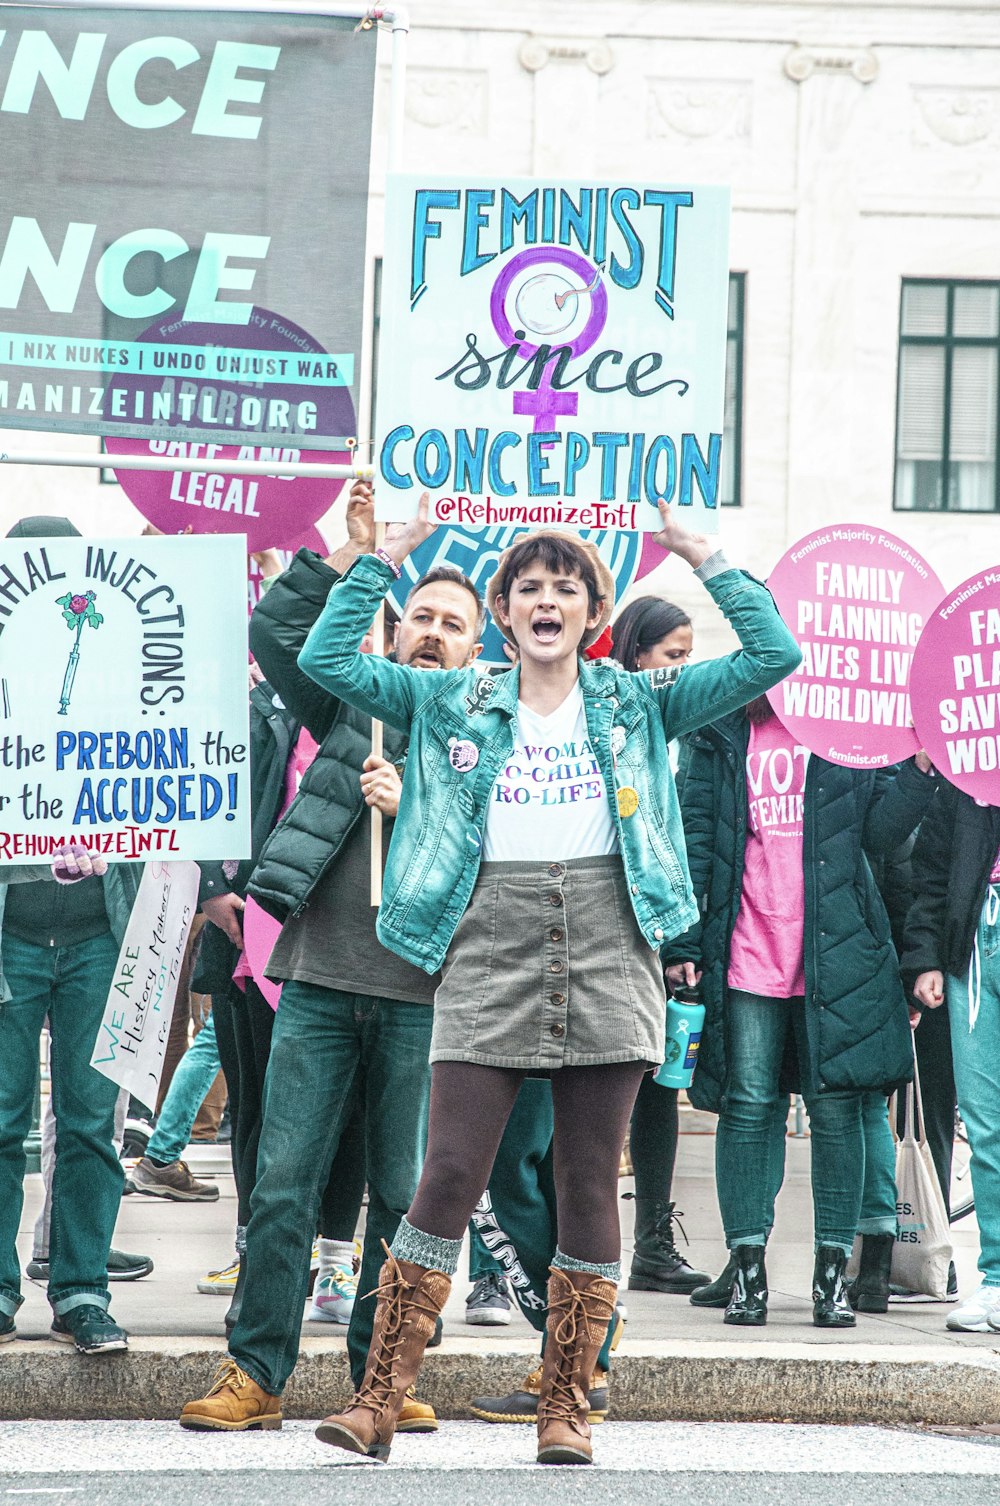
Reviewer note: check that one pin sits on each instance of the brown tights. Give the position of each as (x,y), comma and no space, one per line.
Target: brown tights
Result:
(470,1106)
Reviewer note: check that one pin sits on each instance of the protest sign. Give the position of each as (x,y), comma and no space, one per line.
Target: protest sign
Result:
(856,600)
(955,685)
(132,1039)
(181,251)
(551,353)
(123,697)
(260,936)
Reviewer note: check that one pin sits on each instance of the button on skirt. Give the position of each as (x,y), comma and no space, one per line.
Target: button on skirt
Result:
(548,969)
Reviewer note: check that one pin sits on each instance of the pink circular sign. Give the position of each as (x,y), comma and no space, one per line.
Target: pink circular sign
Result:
(856,600)
(276,510)
(956,686)
(260,934)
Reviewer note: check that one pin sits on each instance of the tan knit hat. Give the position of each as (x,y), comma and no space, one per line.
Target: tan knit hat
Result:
(605,580)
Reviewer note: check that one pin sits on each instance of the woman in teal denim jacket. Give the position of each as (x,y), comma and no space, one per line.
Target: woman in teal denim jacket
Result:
(614,904)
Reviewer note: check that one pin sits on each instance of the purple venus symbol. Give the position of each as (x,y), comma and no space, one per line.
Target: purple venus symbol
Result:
(545,305)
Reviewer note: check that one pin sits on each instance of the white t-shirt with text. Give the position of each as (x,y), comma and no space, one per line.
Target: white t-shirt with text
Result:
(550,802)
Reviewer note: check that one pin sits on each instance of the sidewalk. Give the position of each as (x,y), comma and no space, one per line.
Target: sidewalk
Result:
(675,1361)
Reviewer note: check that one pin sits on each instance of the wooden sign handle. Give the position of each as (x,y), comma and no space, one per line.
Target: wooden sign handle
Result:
(378,647)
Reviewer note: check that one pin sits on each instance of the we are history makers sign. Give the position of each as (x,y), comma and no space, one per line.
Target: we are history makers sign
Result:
(552,352)
(182,222)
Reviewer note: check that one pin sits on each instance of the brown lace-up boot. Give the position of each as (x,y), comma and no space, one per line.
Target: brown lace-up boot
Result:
(580,1309)
(410,1298)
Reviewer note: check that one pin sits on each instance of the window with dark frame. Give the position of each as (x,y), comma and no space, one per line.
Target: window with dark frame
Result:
(730,487)
(947,397)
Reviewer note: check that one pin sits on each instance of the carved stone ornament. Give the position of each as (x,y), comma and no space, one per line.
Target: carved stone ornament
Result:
(536,53)
(702,110)
(447,98)
(961,117)
(860,62)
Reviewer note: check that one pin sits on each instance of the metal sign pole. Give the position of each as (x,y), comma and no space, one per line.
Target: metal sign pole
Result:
(398,19)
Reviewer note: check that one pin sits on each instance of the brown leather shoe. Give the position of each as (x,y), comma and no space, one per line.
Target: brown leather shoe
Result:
(234,1404)
(416,1416)
(410,1299)
(580,1309)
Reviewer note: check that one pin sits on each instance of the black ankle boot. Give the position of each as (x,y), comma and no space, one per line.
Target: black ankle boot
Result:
(869,1291)
(748,1304)
(718,1292)
(831,1308)
(236,1302)
(657,1264)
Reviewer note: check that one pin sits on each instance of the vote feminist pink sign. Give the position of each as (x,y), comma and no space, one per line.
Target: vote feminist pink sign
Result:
(856,600)
(956,686)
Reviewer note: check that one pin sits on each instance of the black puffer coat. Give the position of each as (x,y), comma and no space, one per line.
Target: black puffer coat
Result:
(953,857)
(857,1025)
(309,836)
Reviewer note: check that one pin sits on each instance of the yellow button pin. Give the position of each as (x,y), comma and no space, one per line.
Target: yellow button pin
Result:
(628,801)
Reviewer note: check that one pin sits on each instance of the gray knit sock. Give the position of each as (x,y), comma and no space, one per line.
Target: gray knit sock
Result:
(241,1239)
(611,1272)
(428,1250)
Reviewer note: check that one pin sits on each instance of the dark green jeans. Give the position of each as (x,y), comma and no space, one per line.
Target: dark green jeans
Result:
(69,985)
(327,1048)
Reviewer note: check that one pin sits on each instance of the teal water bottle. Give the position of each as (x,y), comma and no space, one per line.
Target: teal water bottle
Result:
(685,1018)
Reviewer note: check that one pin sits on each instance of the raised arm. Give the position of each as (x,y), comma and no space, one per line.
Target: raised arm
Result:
(696,694)
(331,657)
(286,614)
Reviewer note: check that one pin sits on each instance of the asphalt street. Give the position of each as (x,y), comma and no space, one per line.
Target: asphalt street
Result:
(715,1464)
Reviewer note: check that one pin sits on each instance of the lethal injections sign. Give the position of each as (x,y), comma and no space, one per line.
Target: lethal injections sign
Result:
(182,225)
(956,686)
(552,352)
(856,600)
(123,698)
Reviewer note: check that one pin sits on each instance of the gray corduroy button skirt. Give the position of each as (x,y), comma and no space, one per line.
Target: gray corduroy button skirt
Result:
(548,969)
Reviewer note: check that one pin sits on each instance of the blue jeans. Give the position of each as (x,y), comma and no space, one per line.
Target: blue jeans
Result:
(975,1049)
(189,1087)
(745,1142)
(327,1048)
(70,985)
(878,1199)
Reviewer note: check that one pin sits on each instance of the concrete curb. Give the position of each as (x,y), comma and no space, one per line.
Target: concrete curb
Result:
(696,1381)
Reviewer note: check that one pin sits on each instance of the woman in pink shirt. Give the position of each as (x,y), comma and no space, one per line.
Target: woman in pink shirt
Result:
(801,980)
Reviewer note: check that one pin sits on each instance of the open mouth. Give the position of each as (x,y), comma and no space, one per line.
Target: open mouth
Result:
(427,658)
(546,629)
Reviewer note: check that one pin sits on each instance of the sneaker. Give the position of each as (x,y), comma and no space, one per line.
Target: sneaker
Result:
(416,1416)
(221,1283)
(121,1267)
(233,1404)
(333,1297)
(173,1182)
(522,1406)
(972,1315)
(8,1328)
(91,1328)
(489,1301)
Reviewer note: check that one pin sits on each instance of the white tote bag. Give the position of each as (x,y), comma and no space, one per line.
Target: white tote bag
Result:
(923,1250)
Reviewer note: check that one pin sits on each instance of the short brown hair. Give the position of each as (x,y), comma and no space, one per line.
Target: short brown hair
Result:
(455,577)
(555,552)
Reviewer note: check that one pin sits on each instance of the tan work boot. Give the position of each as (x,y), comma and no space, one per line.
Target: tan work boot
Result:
(416,1416)
(580,1309)
(234,1404)
(410,1298)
